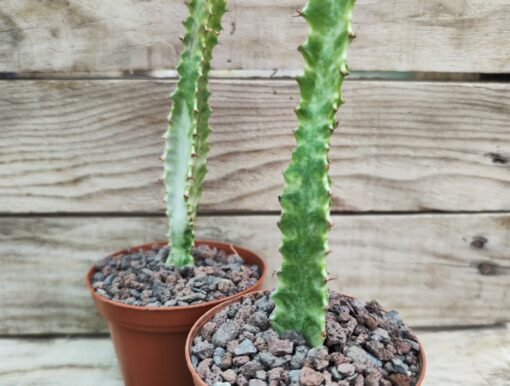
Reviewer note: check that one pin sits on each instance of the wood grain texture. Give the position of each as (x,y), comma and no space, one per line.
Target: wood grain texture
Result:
(455,358)
(438,270)
(468,357)
(94,146)
(58,362)
(90,36)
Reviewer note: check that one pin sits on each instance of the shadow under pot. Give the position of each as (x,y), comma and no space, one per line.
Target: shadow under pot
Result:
(150,340)
(234,343)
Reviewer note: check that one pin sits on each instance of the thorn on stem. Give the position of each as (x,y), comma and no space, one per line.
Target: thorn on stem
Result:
(330,278)
(209,30)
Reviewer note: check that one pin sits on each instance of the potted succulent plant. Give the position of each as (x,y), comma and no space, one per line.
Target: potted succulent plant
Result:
(301,334)
(152,294)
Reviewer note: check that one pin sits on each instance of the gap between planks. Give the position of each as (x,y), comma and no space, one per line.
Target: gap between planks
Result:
(248,213)
(257,74)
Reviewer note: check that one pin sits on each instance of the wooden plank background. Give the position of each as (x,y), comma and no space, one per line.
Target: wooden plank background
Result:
(421,169)
(94,146)
(433,269)
(130,35)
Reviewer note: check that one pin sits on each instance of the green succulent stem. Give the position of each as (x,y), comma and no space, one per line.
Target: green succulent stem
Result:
(186,139)
(301,297)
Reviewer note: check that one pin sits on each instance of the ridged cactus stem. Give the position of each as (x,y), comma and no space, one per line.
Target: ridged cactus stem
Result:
(301,297)
(199,170)
(188,127)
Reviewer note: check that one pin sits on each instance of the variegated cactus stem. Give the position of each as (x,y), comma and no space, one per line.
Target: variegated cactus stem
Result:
(186,139)
(301,297)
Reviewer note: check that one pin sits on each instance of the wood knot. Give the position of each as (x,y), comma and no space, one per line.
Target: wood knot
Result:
(487,268)
(498,158)
(478,242)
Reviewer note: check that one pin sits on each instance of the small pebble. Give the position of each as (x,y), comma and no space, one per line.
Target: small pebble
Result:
(345,369)
(310,377)
(245,347)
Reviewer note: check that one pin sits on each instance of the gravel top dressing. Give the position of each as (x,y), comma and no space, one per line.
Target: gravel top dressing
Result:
(365,346)
(141,278)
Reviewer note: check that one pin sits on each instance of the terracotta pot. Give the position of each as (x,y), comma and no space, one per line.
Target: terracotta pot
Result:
(150,341)
(209,314)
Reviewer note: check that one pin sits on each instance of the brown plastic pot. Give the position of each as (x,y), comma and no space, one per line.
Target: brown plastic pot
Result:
(209,314)
(150,341)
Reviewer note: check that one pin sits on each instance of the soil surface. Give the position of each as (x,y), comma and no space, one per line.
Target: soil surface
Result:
(365,346)
(141,277)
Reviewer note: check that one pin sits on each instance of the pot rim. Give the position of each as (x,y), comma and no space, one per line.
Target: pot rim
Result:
(209,314)
(227,246)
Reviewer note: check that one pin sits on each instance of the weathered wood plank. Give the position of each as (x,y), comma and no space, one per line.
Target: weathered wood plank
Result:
(94,146)
(58,362)
(455,358)
(90,36)
(468,357)
(437,270)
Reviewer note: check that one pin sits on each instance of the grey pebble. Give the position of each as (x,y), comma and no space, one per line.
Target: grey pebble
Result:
(271,361)
(294,377)
(203,350)
(218,355)
(225,333)
(399,366)
(246,347)
(299,357)
(360,356)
